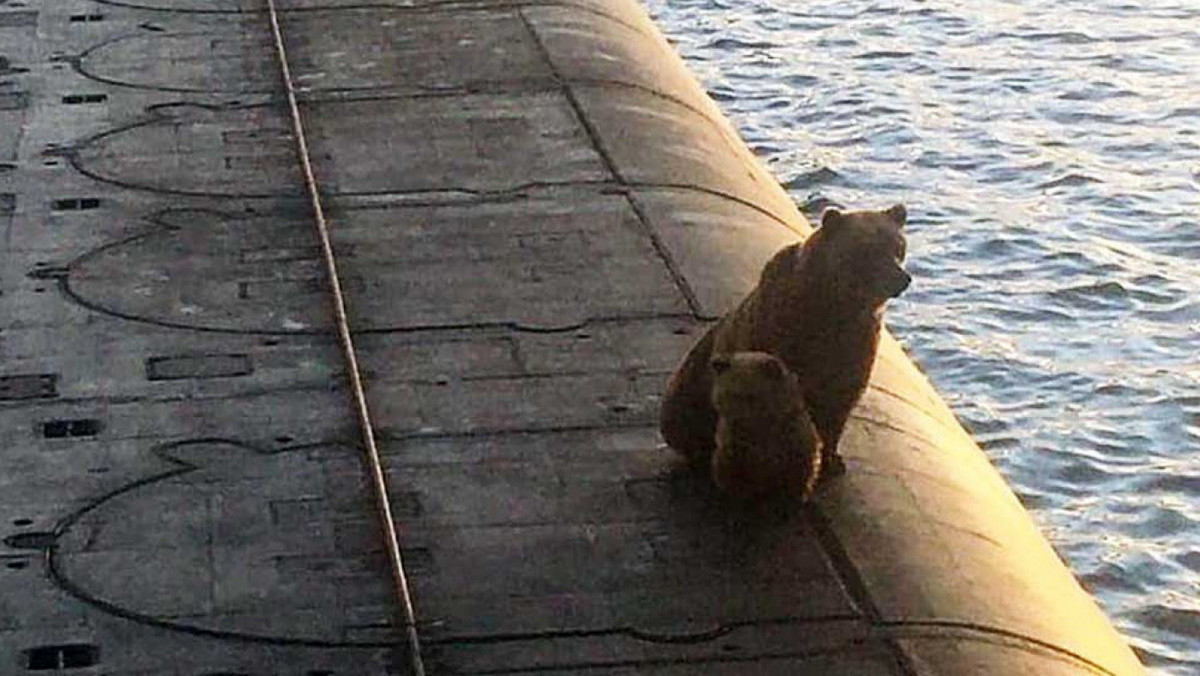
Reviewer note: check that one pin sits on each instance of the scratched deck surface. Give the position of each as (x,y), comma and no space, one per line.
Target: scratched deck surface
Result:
(535,213)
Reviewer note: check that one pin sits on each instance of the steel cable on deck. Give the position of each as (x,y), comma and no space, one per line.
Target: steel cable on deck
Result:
(379,480)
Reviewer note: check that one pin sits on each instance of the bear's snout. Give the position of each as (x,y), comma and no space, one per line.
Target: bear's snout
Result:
(900,281)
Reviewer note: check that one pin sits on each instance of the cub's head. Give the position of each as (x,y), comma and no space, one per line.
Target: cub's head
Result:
(751,384)
(862,253)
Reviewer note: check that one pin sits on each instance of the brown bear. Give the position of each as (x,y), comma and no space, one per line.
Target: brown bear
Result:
(817,307)
(766,444)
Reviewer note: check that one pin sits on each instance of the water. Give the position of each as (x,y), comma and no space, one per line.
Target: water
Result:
(1049,154)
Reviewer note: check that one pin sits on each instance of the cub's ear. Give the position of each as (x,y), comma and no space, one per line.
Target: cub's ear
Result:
(720,363)
(831,218)
(898,214)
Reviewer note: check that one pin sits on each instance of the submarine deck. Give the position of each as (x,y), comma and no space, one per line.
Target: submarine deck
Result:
(533,211)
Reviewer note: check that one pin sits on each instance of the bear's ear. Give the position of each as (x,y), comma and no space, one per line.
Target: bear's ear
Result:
(720,363)
(775,368)
(898,214)
(831,218)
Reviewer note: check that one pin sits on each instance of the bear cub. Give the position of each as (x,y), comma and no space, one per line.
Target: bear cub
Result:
(817,307)
(766,444)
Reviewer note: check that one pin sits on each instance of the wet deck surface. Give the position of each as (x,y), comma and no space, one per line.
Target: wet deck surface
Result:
(524,208)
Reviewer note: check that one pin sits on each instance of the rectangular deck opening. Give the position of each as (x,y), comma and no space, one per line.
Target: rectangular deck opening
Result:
(201,366)
(76,204)
(81,99)
(66,429)
(62,657)
(33,386)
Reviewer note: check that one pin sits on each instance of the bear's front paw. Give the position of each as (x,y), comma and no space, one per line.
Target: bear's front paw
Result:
(832,466)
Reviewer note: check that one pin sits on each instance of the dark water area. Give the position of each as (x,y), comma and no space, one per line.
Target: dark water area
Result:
(1049,154)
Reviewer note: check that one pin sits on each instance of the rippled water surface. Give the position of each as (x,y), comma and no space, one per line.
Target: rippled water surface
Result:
(1049,153)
